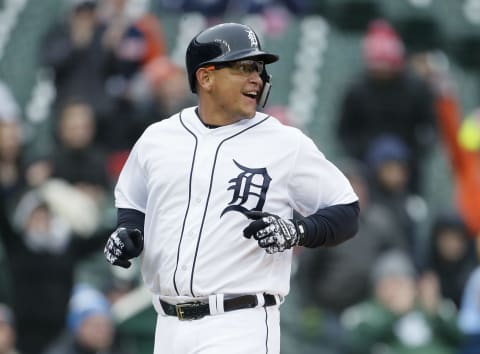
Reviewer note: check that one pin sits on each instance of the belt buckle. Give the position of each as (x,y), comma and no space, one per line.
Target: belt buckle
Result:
(193,306)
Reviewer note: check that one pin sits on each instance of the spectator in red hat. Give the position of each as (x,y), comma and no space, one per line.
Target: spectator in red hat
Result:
(383,50)
(387,98)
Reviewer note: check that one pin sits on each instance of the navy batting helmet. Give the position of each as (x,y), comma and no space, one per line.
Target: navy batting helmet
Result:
(226,42)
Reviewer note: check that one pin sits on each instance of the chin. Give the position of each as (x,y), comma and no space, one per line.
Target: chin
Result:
(251,112)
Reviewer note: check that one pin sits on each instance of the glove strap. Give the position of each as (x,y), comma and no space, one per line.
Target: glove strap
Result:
(301,230)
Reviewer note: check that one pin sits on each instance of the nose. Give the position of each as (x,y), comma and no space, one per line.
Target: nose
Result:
(255,77)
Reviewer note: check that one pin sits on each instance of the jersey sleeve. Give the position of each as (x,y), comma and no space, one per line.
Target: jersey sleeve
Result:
(315,182)
(131,188)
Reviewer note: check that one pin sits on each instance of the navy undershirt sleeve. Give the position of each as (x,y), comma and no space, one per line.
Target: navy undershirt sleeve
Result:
(327,227)
(130,219)
(331,225)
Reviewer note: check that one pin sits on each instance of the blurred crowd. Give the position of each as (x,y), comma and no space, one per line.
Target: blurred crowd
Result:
(409,282)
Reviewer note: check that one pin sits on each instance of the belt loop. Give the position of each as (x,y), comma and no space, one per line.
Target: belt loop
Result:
(219,303)
(212,304)
(260,300)
(278,299)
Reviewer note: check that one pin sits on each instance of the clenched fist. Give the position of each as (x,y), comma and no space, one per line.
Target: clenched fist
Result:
(122,245)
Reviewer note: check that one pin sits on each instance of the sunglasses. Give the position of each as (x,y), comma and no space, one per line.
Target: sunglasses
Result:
(243,67)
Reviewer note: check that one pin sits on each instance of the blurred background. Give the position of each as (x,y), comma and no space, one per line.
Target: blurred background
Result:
(388,90)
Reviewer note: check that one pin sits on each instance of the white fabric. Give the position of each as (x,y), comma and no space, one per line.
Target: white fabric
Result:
(182,176)
(219,298)
(236,332)
(212,303)
(279,299)
(260,300)
(157,306)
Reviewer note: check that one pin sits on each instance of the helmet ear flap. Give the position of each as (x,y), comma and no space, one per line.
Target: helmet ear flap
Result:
(266,77)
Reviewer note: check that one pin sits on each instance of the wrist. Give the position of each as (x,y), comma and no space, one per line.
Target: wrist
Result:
(301,229)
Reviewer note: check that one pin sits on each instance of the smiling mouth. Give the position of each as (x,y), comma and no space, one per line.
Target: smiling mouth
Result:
(251,94)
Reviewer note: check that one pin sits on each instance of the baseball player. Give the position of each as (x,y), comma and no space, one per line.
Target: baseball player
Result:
(206,199)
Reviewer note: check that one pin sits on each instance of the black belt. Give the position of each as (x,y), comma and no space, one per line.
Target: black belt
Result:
(196,310)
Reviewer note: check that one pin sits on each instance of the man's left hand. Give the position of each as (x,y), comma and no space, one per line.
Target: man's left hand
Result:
(273,233)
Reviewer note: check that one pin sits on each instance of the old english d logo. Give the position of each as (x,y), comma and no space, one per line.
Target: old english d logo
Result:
(250,185)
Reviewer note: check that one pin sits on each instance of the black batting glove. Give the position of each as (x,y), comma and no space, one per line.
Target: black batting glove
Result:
(122,245)
(273,233)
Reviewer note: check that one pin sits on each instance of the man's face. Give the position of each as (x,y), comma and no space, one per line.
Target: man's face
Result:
(396,292)
(393,175)
(451,245)
(96,332)
(7,338)
(76,129)
(10,141)
(237,87)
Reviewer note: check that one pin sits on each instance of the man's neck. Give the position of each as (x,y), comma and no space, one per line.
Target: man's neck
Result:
(209,126)
(214,119)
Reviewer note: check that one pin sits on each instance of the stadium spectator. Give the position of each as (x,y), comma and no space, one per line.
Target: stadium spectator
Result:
(7,330)
(90,325)
(42,255)
(324,274)
(132,41)
(77,159)
(387,98)
(17,170)
(133,38)
(12,161)
(387,159)
(459,136)
(466,168)
(451,254)
(469,314)
(73,49)
(161,91)
(12,169)
(223,8)
(402,316)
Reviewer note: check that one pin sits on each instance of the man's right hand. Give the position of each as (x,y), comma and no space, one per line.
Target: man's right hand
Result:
(122,245)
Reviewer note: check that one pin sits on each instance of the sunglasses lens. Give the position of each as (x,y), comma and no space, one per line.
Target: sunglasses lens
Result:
(245,67)
(259,66)
(248,66)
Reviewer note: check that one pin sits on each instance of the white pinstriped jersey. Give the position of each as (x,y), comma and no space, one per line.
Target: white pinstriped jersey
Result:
(193,183)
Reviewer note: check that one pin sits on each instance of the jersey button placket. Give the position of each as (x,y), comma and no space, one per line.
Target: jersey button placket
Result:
(200,185)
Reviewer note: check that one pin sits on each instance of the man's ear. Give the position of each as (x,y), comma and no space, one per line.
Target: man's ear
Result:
(205,78)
